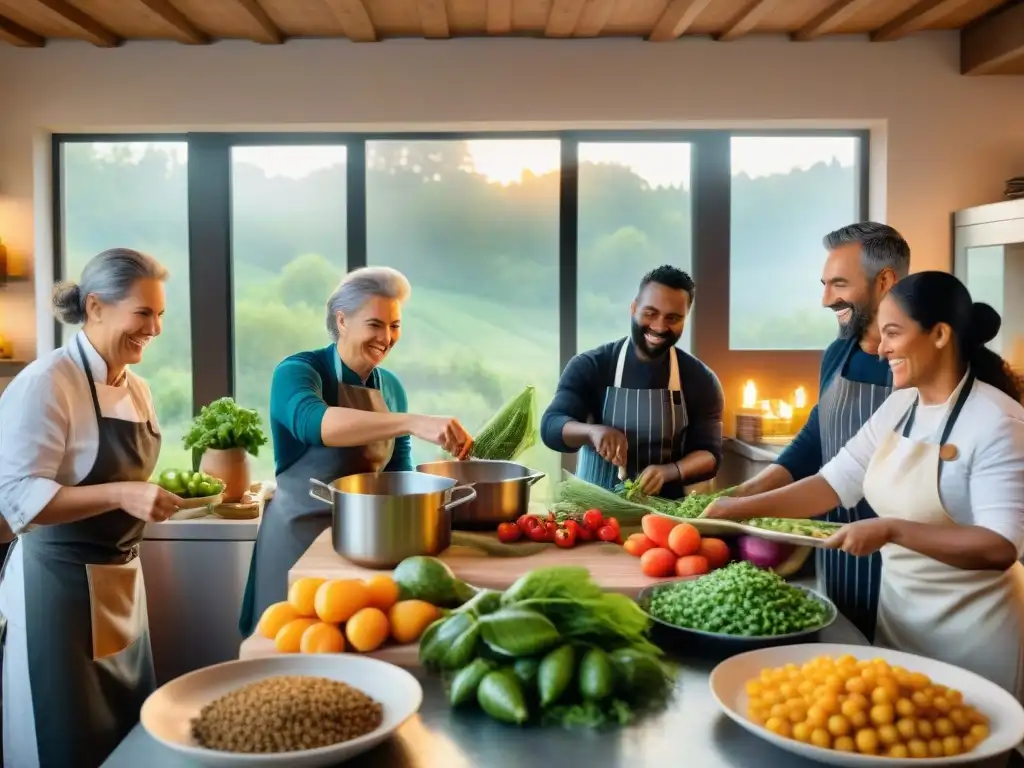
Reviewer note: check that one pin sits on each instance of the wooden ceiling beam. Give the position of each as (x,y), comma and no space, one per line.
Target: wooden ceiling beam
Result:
(563,18)
(90,29)
(186,30)
(914,19)
(433,19)
(15,34)
(746,20)
(269,34)
(991,43)
(830,19)
(677,17)
(355,20)
(594,18)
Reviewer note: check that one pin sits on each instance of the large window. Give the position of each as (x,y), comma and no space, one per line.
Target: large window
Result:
(288,249)
(134,195)
(787,193)
(522,250)
(474,226)
(634,215)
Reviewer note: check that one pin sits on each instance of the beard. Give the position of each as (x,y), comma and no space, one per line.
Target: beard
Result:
(666,340)
(861,316)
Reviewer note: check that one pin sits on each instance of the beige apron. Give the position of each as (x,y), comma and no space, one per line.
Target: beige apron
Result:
(972,619)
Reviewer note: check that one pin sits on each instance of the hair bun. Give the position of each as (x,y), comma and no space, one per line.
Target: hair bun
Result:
(68,304)
(985,323)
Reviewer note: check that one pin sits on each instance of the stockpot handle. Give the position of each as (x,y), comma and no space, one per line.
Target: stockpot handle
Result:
(457,502)
(317,493)
(531,479)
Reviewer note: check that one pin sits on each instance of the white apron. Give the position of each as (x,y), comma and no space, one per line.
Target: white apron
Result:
(972,619)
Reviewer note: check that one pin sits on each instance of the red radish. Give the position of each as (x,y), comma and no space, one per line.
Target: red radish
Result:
(684,540)
(658,528)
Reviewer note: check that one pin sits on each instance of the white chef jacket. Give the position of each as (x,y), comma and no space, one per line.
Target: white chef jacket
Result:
(49,438)
(983,487)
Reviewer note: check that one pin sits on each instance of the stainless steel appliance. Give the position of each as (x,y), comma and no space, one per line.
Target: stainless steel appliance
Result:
(502,490)
(381,518)
(988,255)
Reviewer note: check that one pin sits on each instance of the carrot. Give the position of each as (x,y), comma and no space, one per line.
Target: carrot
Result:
(684,540)
(691,565)
(715,551)
(657,529)
(657,562)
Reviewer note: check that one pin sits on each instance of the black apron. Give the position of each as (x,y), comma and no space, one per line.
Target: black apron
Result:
(653,420)
(292,519)
(850,582)
(89,655)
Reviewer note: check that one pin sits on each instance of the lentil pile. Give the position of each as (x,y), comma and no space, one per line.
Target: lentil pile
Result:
(286,714)
(739,599)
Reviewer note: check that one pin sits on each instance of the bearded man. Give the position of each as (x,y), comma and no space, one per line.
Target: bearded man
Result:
(864,261)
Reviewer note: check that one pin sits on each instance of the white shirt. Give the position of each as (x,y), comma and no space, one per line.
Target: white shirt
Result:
(48,430)
(983,487)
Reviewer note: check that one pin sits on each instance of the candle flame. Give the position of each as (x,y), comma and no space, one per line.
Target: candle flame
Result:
(749,394)
(785,410)
(800,398)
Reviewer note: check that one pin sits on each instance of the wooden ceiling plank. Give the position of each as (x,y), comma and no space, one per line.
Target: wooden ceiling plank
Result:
(269,33)
(499,17)
(563,18)
(433,19)
(678,16)
(916,18)
(354,19)
(15,34)
(188,31)
(594,18)
(746,20)
(993,42)
(91,29)
(830,19)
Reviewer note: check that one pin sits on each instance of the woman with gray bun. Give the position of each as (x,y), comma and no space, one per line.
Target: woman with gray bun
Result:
(78,443)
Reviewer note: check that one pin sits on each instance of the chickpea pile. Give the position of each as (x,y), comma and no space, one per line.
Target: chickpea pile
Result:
(865,706)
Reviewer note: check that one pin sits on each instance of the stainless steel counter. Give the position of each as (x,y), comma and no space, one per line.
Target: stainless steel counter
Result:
(195,572)
(692,731)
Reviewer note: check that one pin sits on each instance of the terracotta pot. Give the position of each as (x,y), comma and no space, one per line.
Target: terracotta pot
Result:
(232,467)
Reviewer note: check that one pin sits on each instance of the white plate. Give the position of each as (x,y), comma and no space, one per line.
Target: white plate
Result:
(1006,716)
(168,712)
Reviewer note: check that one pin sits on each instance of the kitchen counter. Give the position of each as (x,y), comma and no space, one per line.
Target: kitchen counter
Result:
(692,727)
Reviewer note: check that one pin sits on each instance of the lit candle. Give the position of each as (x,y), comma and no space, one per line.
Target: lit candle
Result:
(749,418)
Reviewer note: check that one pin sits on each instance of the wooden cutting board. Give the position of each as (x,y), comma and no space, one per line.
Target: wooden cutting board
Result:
(609,564)
(408,655)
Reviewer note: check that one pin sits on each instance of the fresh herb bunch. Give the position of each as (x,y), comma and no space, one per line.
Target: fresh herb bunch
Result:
(223,425)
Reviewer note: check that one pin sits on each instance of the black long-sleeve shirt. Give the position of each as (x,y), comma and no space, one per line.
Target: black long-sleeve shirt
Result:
(581,391)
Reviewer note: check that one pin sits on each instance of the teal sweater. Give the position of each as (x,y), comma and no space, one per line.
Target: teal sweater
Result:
(305,385)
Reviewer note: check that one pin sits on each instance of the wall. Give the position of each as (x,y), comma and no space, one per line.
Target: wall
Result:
(940,141)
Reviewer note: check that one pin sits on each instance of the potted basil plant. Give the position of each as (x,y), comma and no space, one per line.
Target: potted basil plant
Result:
(221,439)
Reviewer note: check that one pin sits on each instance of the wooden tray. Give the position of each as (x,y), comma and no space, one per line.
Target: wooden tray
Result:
(614,569)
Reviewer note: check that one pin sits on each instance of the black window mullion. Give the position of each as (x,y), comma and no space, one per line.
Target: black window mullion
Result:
(711,193)
(568,261)
(210,285)
(355,197)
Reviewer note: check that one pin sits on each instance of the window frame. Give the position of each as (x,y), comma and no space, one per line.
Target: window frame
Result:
(209,225)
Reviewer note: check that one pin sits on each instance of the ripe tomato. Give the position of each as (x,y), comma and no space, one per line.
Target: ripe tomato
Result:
(607,533)
(539,533)
(565,538)
(593,519)
(508,532)
(526,522)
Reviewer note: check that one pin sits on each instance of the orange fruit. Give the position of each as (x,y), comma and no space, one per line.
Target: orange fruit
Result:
(275,617)
(367,630)
(322,638)
(289,637)
(338,600)
(302,593)
(383,592)
(409,618)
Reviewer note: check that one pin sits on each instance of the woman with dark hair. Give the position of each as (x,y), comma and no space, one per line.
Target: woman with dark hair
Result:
(942,464)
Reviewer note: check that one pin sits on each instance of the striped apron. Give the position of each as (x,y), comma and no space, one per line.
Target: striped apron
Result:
(653,421)
(852,583)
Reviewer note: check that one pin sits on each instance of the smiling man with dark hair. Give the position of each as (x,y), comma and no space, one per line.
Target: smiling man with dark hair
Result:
(864,261)
(639,407)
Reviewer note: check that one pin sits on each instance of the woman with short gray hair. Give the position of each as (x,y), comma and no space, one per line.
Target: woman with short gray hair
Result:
(335,412)
(78,443)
